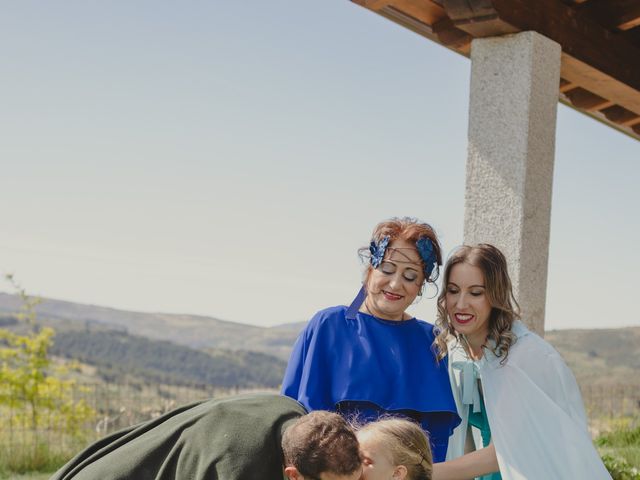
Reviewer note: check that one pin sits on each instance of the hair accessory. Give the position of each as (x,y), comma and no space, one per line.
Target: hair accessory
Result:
(428,255)
(377,251)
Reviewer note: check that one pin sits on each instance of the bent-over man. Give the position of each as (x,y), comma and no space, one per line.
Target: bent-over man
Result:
(257,436)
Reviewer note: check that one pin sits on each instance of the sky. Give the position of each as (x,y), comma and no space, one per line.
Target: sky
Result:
(229,158)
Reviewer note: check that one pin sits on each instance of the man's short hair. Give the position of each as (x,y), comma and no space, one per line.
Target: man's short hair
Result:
(321,442)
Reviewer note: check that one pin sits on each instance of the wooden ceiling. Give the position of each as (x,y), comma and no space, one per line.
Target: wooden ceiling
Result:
(600,42)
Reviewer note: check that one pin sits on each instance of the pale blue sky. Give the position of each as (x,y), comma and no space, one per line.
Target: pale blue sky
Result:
(228,159)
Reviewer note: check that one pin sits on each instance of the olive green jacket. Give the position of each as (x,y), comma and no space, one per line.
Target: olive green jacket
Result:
(232,438)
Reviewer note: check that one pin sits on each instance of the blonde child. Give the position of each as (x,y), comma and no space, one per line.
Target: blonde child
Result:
(394,449)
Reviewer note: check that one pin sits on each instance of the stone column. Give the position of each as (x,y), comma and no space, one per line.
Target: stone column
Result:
(512,122)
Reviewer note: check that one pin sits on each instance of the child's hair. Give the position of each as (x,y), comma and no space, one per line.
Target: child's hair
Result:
(407,443)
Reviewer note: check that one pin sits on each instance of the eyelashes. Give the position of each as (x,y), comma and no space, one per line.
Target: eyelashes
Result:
(455,292)
(389,268)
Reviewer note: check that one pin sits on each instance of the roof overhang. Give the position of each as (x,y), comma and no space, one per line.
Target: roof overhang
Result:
(600,40)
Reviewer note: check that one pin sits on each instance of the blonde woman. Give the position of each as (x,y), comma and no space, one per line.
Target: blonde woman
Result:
(522,413)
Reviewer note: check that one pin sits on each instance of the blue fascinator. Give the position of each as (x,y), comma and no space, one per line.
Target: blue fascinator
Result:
(428,255)
(378,250)
(423,245)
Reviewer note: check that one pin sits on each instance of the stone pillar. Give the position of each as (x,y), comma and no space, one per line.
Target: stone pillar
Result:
(512,122)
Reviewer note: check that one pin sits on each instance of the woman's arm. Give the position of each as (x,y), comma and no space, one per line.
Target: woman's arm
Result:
(474,464)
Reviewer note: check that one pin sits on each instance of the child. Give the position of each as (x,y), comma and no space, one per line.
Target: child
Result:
(394,448)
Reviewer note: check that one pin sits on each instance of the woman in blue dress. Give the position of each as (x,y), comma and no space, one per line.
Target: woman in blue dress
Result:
(522,413)
(374,358)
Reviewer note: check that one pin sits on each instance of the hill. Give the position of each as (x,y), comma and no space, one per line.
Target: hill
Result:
(190,330)
(118,356)
(602,356)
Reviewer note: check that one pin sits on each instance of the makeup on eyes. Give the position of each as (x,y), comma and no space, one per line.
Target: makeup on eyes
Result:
(389,268)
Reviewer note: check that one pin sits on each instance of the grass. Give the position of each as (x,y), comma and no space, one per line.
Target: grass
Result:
(620,449)
(27,476)
(32,461)
(618,444)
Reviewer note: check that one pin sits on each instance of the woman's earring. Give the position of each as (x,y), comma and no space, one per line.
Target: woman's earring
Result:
(452,330)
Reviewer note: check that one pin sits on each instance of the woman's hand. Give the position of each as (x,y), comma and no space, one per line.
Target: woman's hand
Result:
(469,466)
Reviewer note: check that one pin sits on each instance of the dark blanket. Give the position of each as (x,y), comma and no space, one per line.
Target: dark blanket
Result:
(231,438)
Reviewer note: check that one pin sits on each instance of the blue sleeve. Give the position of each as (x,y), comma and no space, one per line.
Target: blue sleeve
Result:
(293,373)
(309,373)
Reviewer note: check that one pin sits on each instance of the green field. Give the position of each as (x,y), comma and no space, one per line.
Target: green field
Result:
(27,476)
(620,448)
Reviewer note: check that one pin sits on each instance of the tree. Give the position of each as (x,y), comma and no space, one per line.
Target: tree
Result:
(37,393)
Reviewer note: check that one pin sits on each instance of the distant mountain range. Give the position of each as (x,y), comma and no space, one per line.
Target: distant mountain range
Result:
(194,331)
(170,349)
(608,356)
(120,357)
(182,347)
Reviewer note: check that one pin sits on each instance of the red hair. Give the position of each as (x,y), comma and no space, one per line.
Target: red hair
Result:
(410,230)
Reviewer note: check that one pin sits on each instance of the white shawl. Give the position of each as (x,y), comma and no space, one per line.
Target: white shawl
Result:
(535,412)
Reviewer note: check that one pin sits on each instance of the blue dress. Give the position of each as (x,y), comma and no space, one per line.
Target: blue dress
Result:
(365,367)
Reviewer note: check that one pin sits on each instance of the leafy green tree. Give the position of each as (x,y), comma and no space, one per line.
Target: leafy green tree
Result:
(35,391)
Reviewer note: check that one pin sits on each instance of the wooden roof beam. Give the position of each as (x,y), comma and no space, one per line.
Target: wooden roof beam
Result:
(477,17)
(373,4)
(585,100)
(424,18)
(605,64)
(426,12)
(614,14)
(451,36)
(632,21)
(409,21)
(566,85)
(421,11)
(620,115)
(631,36)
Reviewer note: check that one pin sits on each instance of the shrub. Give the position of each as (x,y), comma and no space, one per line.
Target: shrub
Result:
(620,469)
(620,449)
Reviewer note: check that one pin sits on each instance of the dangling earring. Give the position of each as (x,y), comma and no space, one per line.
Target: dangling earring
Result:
(452,330)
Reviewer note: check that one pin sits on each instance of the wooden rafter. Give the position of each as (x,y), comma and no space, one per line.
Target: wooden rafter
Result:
(600,42)
(578,32)
(373,4)
(614,14)
(477,17)
(620,115)
(585,100)
(451,36)
(566,85)
(605,64)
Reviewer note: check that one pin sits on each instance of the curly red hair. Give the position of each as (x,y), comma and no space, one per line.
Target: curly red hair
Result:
(411,230)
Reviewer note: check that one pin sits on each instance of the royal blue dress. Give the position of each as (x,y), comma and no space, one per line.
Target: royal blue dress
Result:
(362,366)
